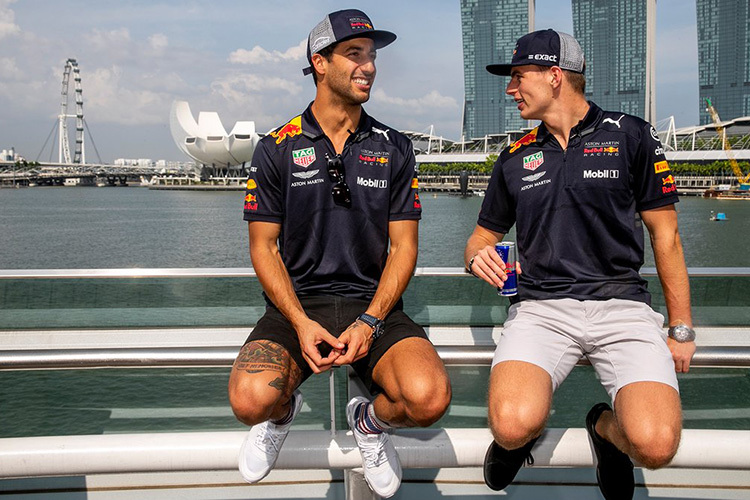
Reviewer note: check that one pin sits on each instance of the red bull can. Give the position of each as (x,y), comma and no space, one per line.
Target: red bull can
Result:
(507,251)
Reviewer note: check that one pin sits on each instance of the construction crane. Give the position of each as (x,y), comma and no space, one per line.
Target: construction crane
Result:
(743,179)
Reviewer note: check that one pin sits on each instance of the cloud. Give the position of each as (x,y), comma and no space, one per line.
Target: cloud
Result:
(9,69)
(8,27)
(109,99)
(100,39)
(422,105)
(259,55)
(238,87)
(158,42)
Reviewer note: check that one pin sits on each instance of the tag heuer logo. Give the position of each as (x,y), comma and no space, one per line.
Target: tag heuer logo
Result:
(532,162)
(303,157)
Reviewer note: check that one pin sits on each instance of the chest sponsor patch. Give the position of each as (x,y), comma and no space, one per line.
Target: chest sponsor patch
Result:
(601,174)
(608,148)
(372,183)
(251,184)
(534,177)
(532,162)
(366,159)
(306,175)
(303,157)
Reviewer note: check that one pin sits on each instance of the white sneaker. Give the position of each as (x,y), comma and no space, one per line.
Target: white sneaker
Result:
(262,445)
(382,467)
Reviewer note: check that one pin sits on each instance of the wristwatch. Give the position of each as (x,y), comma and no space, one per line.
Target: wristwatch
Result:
(681,333)
(377,325)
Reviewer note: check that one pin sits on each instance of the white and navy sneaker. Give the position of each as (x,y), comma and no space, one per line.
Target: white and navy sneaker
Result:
(262,445)
(382,468)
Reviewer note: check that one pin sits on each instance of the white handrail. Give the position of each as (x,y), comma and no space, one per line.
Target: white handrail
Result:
(421,448)
(247,272)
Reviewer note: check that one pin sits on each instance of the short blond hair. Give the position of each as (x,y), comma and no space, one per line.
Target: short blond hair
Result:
(577,81)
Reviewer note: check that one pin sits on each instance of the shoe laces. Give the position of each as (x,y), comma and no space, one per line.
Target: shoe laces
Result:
(373,451)
(269,439)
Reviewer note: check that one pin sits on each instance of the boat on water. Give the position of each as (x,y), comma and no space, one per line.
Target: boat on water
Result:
(112,385)
(718,217)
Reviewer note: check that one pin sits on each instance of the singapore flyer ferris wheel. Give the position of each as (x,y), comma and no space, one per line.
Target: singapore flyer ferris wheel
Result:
(79,153)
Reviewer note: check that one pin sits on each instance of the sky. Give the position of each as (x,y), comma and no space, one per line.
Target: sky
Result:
(244,60)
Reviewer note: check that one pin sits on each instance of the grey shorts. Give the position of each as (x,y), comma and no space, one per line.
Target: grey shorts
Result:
(623,339)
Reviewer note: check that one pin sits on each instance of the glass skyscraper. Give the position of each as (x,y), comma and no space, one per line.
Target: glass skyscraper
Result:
(490,30)
(618,38)
(724,57)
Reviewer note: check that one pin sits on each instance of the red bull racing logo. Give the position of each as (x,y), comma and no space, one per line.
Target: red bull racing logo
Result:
(417,203)
(251,184)
(525,140)
(291,129)
(383,160)
(668,185)
(414,183)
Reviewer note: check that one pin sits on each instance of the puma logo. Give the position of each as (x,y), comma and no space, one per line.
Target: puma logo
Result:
(610,120)
(381,131)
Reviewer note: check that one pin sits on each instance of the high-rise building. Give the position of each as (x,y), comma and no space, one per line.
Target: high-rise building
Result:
(490,30)
(618,40)
(724,57)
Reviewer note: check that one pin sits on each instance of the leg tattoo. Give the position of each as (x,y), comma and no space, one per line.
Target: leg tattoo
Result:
(263,355)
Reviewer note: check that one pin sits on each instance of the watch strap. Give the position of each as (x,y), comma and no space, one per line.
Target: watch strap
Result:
(376,324)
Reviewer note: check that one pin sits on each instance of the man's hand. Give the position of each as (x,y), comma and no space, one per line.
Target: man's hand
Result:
(489,266)
(682,353)
(358,339)
(311,334)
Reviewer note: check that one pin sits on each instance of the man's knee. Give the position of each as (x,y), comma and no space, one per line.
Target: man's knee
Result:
(656,444)
(515,423)
(253,401)
(426,399)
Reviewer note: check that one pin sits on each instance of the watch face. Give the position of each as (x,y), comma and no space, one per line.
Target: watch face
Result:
(682,333)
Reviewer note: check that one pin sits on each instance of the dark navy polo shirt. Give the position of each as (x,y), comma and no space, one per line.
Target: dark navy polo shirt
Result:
(576,211)
(327,248)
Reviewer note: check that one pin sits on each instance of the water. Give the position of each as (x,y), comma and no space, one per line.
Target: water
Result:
(47,228)
(63,228)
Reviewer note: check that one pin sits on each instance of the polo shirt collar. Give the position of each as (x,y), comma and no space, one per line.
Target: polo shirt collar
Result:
(312,130)
(582,128)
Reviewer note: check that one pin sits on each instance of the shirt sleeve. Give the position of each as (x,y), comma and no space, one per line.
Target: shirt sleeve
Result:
(263,195)
(497,212)
(405,203)
(653,183)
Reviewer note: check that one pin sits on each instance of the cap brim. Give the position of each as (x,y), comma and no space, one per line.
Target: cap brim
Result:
(381,38)
(500,69)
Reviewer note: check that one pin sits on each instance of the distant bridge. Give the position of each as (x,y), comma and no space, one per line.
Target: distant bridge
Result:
(75,174)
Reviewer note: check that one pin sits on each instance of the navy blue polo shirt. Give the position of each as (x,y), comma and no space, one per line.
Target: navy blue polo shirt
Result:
(327,248)
(576,210)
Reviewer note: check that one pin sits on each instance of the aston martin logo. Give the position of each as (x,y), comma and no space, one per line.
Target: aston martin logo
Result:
(306,175)
(533,177)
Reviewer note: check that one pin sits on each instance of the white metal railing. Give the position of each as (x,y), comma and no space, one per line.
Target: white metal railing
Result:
(207,356)
(229,272)
(417,448)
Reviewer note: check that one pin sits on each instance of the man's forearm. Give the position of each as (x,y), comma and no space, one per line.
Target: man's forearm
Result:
(670,266)
(399,268)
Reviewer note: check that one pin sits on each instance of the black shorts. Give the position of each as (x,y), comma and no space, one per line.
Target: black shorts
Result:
(335,314)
